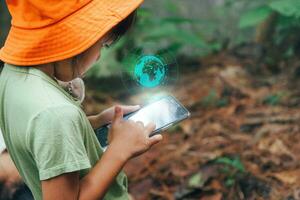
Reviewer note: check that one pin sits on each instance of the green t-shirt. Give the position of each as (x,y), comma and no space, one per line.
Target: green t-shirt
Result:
(46,132)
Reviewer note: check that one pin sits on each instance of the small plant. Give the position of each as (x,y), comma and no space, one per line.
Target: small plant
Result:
(233,162)
(196,181)
(213,100)
(233,168)
(273,99)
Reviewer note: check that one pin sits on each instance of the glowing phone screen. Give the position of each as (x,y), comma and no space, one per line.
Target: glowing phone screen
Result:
(161,113)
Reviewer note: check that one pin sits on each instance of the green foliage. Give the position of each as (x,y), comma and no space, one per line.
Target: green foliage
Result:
(171,6)
(273,99)
(255,16)
(157,35)
(229,182)
(233,167)
(232,162)
(283,29)
(196,181)
(289,8)
(210,99)
(213,100)
(153,31)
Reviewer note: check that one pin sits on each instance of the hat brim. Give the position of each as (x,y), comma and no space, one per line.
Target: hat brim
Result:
(68,37)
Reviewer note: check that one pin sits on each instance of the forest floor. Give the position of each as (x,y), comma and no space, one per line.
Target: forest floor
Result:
(241,142)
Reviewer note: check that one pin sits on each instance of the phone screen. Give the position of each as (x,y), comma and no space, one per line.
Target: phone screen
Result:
(162,113)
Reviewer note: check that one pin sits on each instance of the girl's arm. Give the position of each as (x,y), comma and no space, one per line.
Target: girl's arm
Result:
(95,184)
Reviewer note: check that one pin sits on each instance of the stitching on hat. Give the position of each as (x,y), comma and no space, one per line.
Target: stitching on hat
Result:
(115,14)
(71,14)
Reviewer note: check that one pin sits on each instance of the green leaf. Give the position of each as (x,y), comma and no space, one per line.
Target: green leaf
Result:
(173,48)
(172,33)
(289,8)
(254,17)
(190,38)
(171,6)
(196,181)
(144,12)
(222,102)
(217,46)
(179,20)
(210,99)
(273,99)
(229,182)
(235,162)
(285,22)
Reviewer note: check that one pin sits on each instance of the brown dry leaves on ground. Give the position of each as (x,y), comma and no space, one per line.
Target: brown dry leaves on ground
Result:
(241,142)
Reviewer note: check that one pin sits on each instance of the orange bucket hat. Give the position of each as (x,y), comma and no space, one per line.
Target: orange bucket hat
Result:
(45,31)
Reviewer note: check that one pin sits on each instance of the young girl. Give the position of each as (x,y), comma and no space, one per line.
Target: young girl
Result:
(50,139)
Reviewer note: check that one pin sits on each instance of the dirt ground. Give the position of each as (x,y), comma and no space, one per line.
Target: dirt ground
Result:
(241,142)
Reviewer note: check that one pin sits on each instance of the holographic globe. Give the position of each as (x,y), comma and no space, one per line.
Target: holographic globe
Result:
(150,71)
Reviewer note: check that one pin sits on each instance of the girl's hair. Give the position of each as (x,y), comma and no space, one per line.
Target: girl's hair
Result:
(124,26)
(1,65)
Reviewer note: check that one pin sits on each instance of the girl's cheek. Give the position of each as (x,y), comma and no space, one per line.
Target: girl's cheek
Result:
(90,57)
(99,56)
(95,55)
(89,62)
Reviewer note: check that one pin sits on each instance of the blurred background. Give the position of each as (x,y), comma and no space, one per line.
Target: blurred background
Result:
(238,73)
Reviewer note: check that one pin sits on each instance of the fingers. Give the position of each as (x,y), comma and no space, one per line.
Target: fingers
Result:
(129,109)
(118,116)
(155,139)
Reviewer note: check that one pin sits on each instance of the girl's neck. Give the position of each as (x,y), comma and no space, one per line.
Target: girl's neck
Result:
(61,70)
(47,69)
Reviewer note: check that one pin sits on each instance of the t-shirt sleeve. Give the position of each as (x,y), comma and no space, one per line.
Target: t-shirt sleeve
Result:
(56,142)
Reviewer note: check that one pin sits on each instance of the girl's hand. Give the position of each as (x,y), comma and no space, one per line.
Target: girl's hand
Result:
(107,115)
(131,138)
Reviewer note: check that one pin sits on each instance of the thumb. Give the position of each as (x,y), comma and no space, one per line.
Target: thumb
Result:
(155,139)
(118,116)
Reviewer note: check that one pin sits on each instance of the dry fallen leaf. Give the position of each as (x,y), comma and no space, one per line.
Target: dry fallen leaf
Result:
(217,196)
(288,177)
(276,147)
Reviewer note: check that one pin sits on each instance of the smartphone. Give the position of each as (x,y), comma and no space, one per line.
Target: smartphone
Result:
(163,112)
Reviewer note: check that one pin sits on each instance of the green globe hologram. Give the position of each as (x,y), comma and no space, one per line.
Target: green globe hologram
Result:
(150,71)
(145,70)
